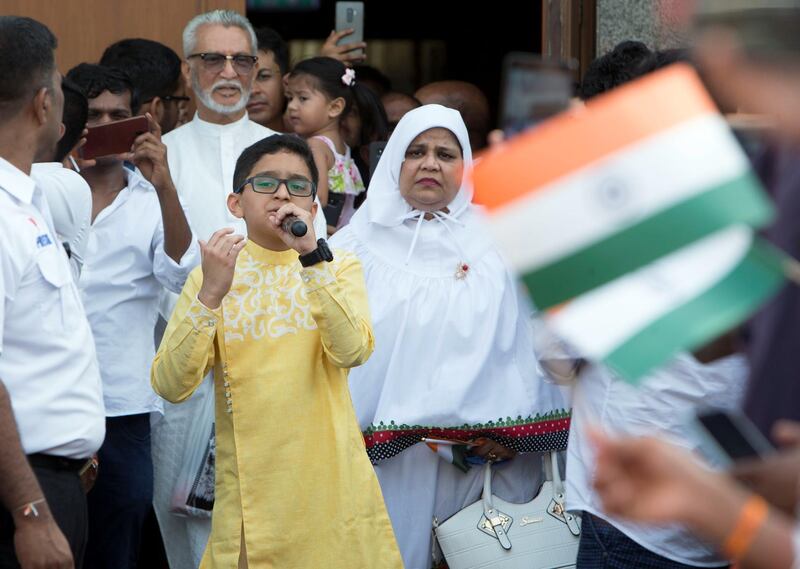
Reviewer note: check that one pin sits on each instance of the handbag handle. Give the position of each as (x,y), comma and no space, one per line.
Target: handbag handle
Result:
(492,515)
(551,473)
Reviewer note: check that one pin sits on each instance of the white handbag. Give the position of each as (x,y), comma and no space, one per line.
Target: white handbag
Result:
(494,533)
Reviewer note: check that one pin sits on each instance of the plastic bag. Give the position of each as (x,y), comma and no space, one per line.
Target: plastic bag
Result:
(194,489)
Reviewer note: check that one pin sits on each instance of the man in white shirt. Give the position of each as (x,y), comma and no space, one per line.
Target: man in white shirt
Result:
(661,406)
(68,195)
(47,358)
(219,63)
(138,242)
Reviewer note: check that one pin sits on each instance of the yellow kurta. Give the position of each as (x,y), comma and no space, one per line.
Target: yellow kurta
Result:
(291,468)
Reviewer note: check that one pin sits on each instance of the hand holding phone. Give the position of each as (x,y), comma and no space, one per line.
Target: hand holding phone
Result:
(149,154)
(350,30)
(113,138)
(728,437)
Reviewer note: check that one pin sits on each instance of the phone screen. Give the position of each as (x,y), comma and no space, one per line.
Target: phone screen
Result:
(729,434)
(533,90)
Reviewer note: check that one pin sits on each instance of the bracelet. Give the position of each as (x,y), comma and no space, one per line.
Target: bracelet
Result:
(751,517)
(29,509)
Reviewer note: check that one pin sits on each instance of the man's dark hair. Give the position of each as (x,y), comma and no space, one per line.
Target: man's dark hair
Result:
(76,112)
(94,79)
(627,61)
(154,69)
(26,61)
(270,40)
(273,145)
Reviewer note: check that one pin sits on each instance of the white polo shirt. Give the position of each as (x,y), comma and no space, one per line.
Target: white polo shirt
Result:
(47,354)
(70,201)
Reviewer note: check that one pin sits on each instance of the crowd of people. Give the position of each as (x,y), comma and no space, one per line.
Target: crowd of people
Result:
(158,306)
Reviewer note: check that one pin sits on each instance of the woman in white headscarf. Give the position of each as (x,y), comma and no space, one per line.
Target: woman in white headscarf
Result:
(453,349)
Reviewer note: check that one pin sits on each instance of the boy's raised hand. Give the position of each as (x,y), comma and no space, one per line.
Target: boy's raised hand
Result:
(303,245)
(219,262)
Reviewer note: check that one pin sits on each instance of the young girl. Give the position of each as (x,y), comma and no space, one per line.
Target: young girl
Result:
(320,93)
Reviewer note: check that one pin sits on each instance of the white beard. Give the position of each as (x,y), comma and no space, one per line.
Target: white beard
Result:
(205,97)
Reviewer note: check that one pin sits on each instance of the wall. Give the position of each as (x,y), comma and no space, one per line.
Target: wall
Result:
(84,28)
(654,22)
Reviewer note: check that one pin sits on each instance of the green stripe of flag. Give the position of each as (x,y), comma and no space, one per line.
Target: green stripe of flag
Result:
(736,201)
(757,276)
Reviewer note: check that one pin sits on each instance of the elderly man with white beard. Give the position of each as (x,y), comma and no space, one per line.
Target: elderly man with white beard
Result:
(220,53)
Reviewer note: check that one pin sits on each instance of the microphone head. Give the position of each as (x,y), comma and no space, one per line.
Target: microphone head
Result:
(299,228)
(295,226)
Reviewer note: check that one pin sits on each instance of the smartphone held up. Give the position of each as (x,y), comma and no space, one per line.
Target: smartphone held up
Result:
(113,138)
(533,90)
(350,16)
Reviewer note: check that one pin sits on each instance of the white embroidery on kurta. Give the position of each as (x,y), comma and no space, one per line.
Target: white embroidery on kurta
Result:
(266,300)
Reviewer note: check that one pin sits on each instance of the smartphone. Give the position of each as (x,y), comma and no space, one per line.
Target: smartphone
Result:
(728,437)
(765,31)
(375,152)
(350,15)
(533,90)
(113,138)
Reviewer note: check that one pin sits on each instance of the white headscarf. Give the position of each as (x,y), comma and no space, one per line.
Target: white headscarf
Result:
(453,350)
(433,247)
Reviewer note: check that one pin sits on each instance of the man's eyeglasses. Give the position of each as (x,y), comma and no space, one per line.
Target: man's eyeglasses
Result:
(297,187)
(215,62)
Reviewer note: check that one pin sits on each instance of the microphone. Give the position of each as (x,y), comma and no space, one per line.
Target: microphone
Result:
(297,227)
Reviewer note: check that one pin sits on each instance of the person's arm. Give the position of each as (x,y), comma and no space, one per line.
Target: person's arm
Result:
(338,300)
(186,353)
(150,156)
(339,306)
(345,52)
(38,542)
(324,160)
(649,481)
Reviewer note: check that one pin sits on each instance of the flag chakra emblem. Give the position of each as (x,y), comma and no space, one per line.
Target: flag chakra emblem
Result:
(614,194)
(43,240)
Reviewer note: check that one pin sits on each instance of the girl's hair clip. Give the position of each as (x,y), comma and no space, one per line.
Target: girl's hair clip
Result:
(349,77)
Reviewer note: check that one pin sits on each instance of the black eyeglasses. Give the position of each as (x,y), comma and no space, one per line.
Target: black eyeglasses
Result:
(215,62)
(261,184)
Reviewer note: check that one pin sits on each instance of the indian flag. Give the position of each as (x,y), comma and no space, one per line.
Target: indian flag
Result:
(679,302)
(601,191)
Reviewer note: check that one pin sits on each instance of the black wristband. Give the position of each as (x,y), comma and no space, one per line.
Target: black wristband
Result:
(321,253)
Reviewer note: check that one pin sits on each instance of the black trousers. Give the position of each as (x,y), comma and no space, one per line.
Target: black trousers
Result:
(67,501)
(123,494)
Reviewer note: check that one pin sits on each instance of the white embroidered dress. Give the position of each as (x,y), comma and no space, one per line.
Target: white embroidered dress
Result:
(453,349)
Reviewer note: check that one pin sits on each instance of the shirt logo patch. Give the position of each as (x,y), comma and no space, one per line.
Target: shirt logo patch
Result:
(43,240)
